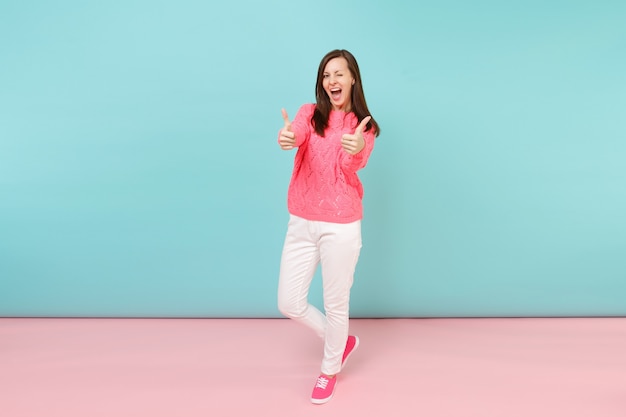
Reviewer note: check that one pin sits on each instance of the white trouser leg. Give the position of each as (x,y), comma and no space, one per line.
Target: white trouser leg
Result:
(297,268)
(337,246)
(340,245)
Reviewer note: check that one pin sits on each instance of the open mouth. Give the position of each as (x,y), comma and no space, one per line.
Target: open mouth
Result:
(335,94)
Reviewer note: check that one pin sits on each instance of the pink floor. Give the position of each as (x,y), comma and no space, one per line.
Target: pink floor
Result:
(267,367)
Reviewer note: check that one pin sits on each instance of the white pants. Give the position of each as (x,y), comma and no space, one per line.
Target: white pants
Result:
(337,247)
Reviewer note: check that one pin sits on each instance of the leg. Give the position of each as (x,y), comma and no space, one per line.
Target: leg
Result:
(340,246)
(298,264)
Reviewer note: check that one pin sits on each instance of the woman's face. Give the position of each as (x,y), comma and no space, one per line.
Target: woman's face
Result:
(337,82)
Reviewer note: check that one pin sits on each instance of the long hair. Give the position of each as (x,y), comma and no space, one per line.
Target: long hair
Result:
(319,120)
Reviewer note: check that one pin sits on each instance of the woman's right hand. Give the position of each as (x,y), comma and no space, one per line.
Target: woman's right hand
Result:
(287,139)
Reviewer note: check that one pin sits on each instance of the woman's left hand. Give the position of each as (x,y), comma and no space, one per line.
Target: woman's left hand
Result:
(354,143)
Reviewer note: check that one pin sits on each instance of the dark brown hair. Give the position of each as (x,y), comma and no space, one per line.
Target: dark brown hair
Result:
(323,106)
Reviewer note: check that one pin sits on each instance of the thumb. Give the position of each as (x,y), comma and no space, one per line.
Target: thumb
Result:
(362,125)
(286,120)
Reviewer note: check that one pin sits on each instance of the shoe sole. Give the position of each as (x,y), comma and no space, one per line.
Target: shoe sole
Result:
(321,401)
(356,345)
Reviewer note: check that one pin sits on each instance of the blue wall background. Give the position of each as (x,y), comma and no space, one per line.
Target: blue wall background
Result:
(140,175)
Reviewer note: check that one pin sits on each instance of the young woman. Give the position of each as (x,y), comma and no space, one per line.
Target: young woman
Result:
(334,137)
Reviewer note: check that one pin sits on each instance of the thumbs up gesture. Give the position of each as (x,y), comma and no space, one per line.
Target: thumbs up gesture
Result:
(354,143)
(287,139)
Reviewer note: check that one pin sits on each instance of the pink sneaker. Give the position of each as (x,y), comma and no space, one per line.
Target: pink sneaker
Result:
(324,388)
(351,345)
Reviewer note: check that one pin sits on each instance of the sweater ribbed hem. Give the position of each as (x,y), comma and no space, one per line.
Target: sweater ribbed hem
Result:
(317,217)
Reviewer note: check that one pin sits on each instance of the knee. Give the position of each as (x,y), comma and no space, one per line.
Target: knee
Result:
(290,309)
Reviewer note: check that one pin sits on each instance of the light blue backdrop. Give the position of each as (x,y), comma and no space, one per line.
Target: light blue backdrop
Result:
(140,175)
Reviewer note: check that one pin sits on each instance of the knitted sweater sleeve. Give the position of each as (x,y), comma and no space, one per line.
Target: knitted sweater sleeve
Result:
(353,163)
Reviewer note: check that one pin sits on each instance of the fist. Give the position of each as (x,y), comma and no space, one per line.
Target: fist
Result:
(355,143)
(287,139)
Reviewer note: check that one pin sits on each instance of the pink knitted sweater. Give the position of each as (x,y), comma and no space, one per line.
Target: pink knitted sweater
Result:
(324,184)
